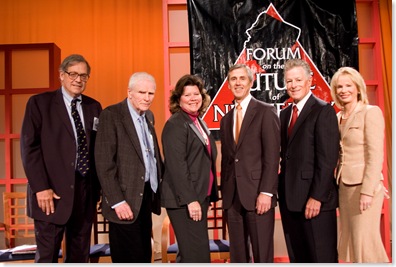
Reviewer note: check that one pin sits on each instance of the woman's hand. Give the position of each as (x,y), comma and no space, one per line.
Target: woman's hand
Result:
(365,202)
(194,208)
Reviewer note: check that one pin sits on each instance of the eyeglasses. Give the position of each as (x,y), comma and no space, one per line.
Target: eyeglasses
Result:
(73,75)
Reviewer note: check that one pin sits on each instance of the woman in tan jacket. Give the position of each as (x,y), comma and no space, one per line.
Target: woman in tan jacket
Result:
(359,176)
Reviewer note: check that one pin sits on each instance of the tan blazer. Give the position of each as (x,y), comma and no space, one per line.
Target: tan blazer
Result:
(362,148)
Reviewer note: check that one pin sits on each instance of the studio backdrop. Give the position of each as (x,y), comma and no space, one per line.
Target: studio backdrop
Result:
(263,35)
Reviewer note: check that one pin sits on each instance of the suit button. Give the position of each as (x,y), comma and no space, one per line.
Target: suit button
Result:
(236,160)
(72,164)
(142,177)
(141,194)
(72,186)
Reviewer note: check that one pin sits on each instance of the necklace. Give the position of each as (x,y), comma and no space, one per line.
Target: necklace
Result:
(345,115)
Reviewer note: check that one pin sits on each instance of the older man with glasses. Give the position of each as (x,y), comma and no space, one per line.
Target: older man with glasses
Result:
(57,138)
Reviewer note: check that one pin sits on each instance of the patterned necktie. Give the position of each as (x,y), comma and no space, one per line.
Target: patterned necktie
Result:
(82,150)
(238,122)
(152,170)
(293,120)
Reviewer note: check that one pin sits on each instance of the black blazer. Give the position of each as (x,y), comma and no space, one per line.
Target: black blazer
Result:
(309,156)
(187,162)
(253,163)
(48,151)
(120,163)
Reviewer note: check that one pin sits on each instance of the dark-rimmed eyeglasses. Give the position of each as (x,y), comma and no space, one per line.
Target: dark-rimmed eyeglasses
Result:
(73,75)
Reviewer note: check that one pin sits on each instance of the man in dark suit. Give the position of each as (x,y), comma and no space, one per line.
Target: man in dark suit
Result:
(309,152)
(249,170)
(129,169)
(61,198)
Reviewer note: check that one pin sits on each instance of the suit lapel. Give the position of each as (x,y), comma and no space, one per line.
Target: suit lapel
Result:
(247,119)
(157,155)
(285,118)
(150,124)
(62,111)
(130,128)
(212,142)
(352,119)
(197,133)
(88,118)
(208,133)
(229,130)
(303,115)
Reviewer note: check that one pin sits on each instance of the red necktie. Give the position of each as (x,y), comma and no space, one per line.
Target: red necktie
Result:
(293,120)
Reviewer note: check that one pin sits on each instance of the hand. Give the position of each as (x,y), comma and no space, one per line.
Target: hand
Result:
(124,212)
(312,208)
(45,200)
(365,202)
(263,203)
(194,208)
(386,193)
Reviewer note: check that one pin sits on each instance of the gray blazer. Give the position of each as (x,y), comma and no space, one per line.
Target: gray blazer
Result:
(119,161)
(187,162)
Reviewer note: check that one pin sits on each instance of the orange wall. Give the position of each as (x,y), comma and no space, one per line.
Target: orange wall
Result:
(117,37)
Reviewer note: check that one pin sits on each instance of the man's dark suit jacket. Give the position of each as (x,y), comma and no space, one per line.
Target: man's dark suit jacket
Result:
(188,163)
(48,151)
(251,166)
(119,161)
(309,156)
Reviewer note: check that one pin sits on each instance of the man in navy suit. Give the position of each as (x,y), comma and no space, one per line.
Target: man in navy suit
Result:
(249,170)
(60,199)
(309,152)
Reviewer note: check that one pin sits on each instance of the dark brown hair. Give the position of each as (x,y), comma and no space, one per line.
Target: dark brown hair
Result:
(72,60)
(186,80)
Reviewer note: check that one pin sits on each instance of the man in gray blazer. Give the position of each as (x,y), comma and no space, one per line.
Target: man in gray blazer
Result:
(307,189)
(249,171)
(129,169)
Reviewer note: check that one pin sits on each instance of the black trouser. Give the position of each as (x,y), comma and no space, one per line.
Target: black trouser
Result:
(131,243)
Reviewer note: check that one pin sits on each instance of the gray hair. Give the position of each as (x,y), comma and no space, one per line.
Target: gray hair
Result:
(296,62)
(241,66)
(140,76)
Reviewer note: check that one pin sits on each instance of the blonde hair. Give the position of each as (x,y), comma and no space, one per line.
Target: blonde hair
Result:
(356,78)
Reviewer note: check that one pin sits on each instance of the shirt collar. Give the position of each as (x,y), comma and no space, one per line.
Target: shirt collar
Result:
(67,97)
(245,102)
(135,115)
(302,102)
